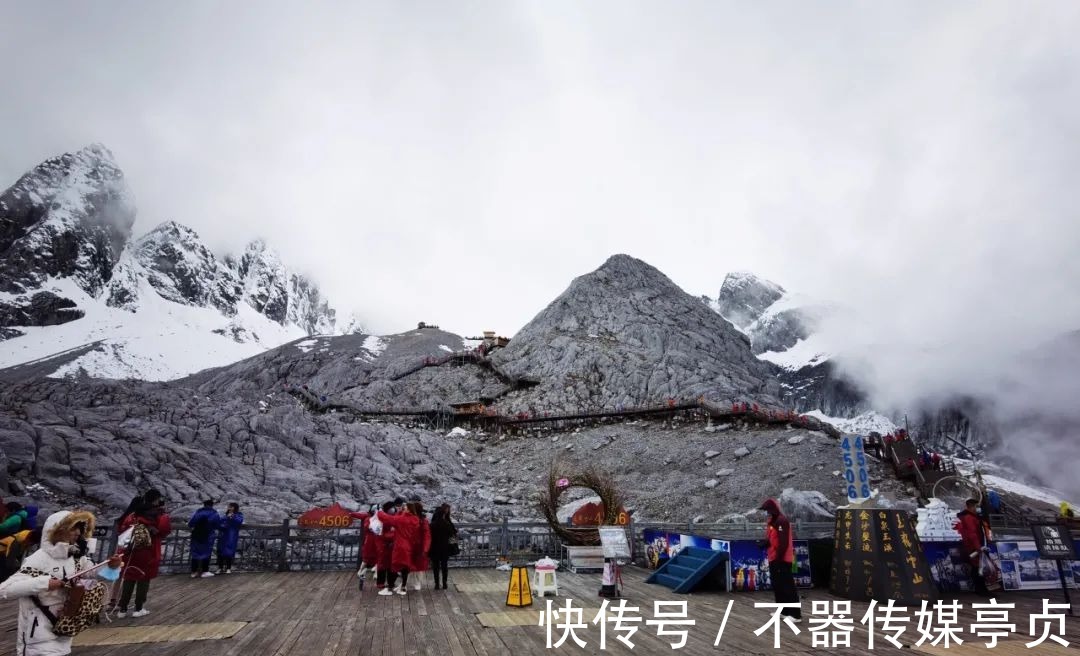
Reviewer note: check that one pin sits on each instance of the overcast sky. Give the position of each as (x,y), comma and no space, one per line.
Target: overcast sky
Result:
(461,162)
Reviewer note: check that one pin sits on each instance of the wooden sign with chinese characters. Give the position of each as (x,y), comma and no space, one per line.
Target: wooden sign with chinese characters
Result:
(878,556)
(333,516)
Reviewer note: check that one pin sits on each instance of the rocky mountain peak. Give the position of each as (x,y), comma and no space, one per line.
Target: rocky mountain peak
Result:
(625,273)
(744,297)
(308,309)
(183,270)
(626,334)
(282,295)
(169,231)
(353,325)
(68,217)
(623,264)
(264,279)
(66,256)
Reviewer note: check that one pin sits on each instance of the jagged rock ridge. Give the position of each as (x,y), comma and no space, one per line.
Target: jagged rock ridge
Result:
(179,268)
(281,295)
(68,217)
(66,257)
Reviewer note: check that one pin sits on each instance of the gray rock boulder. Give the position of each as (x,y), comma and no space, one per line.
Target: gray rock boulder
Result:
(807,505)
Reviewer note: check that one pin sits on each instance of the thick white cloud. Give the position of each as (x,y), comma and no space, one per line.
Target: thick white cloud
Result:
(459,163)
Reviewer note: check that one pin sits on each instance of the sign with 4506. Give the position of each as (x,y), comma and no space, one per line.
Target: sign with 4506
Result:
(333,516)
(855,474)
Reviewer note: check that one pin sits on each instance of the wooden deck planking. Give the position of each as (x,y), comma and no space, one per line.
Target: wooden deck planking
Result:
(324,613)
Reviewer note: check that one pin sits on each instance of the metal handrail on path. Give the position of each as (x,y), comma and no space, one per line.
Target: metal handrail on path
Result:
(289,547)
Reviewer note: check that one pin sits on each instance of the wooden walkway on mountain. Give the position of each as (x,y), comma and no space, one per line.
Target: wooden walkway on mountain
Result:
(298,614)
(700,407)
(462,358)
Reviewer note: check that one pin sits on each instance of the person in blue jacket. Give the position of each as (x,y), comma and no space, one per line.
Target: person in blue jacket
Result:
(229,537)
(203,524)
(30,523)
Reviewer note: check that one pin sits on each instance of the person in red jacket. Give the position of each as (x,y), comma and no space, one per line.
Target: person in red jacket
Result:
(370,547)
(422,546)
(973,542)
(385,576)
(406,527)
(141,563)
(780,544)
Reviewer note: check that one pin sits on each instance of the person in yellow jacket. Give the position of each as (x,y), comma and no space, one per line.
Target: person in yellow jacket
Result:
(1066,511)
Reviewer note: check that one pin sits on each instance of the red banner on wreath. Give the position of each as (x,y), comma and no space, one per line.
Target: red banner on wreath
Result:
(333,516)
(592,514)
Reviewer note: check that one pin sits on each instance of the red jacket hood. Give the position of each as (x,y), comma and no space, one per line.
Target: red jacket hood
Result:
(771,506)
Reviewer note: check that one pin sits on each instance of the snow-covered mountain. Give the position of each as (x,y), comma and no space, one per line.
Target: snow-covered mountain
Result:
(79,296)
(744,297)
(179,269)
(282,296)
(781,325)
(783,329)
(70,217)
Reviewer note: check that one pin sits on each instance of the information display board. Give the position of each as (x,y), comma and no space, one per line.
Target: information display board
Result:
(613,541)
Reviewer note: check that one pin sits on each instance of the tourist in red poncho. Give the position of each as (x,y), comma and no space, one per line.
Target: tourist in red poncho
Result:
(780,544)
(385,576)
(974,535)
(369,551)
(406,527)
(422,546)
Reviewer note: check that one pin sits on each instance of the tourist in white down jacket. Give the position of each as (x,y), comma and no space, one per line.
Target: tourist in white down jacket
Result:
(63,542)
